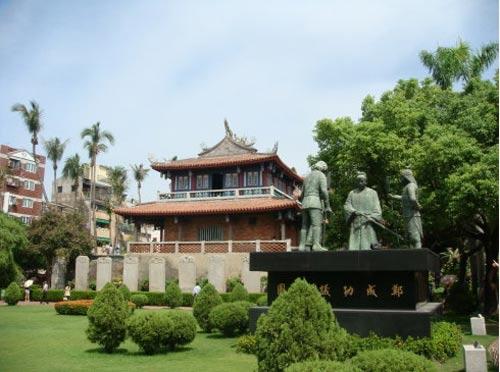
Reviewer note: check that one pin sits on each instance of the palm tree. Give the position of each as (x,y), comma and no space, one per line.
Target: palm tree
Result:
(74,171)
(450,64)
(55,149)
(95,144)
(118,179)
(139,173)
(32,119)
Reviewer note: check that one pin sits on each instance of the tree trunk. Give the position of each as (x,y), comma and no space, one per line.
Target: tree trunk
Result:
(93,203)
(33,141)
(139,191)
(491,277)
(54,188)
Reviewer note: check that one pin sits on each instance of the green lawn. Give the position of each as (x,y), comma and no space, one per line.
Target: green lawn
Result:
(35,338)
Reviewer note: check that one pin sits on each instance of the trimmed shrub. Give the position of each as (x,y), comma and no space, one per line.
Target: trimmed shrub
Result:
(356,343)
(139,300)
(444,343)
(124,291)
(13,294)
(460,300)
(246,344)
(231,283)
(262,301)
(82,295)
(150,331)
(107,318)
(92,285)
(184,330)
(391,360)
(322,366)
(154,332)
(187,299)
(207,299)
(299,326)
(230,318)
(78,307)
(173,295)
(239,293)
(144,285)
(203,282)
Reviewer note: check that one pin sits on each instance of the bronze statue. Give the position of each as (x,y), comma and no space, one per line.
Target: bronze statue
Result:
(362,209)
(411,208)
(315,203)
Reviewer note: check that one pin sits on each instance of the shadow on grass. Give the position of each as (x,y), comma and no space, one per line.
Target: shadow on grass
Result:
(125,352)
(99,350)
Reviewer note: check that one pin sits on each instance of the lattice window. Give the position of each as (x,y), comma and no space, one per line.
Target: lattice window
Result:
(182,183)
(252,178)
(231,180)
(211,233)
(202,181)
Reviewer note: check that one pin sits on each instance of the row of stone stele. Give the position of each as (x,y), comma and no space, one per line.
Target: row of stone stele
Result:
(362,211)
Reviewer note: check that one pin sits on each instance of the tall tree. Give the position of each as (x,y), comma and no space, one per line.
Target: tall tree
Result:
(95,143)
(73,170)
(33,119)
(139,173)
(55,149)
(451,64)
(118,180)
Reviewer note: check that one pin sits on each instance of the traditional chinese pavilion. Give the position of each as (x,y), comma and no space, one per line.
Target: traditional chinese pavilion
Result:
(231,198)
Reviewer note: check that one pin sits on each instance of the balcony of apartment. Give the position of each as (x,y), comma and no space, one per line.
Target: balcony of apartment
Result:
(219,194)
(12,182)
(223,246)
(102,218)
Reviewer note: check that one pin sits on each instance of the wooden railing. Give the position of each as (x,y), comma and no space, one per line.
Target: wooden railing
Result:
(223,246)
(248,192)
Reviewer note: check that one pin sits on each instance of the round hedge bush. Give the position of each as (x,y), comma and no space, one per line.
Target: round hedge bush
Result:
(204,302)
(299,326)
(246,344)
(262,301)
(155,332)
(107,318)
(239,293)
(13,294)
(391,360)
(77,307)
(139,300)
(124,291)
(230,318)
(173,295)
(322,366)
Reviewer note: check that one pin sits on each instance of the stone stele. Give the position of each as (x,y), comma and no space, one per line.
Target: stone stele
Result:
(217,272)
(131,272)
(103,275)
(82,273)
(187,273)
(157,274)
(58,273)
(477,325)
(250,279)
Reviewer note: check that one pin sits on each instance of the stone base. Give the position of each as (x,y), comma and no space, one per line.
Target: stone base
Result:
(386,323)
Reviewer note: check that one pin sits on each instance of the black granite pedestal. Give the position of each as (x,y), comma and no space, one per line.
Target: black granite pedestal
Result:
(383,291)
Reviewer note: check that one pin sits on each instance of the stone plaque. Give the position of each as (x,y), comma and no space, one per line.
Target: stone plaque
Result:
(82,273)
(251,279)
(187,274)
(157,274)
(103,272)
(57,278)
(217,272)
(131,272)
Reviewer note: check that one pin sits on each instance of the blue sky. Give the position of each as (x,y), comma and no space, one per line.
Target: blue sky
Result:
(163,75)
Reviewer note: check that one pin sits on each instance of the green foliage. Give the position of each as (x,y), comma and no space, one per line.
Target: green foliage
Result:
(173,295)
(460,300)
(56,233)
(82,295)
(322,366)
(262,301)
(202,282)
(124,291)
(139,300)
(107,318)
(230,318)
(231,282)
(53,295)
(159,331)
(13,243)
(246,344)
(299,326)
(372,342)
(78,307)
(445,342)
(144,285)
(391,360)
(239,293)
(13,294)
(207,299)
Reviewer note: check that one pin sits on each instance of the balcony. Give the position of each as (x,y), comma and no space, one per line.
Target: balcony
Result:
(223,246)
(248,192)
(12,182)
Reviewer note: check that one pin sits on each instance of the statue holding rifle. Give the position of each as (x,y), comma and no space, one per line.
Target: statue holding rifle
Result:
(362,209)
(315,206)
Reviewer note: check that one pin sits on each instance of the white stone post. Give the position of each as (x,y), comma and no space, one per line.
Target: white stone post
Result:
(475,358)
(82,273)
(217,272)
(187,274)
(157,274)
(477,325)
(131,272)
(103,275)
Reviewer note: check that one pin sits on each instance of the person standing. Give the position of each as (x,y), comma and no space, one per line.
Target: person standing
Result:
(196,290)
(67,292)
(45,291)
(362,207)
(315,201)
(411,208)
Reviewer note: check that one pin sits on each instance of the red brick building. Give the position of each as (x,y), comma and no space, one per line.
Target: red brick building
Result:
(230,198)
(21,193)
